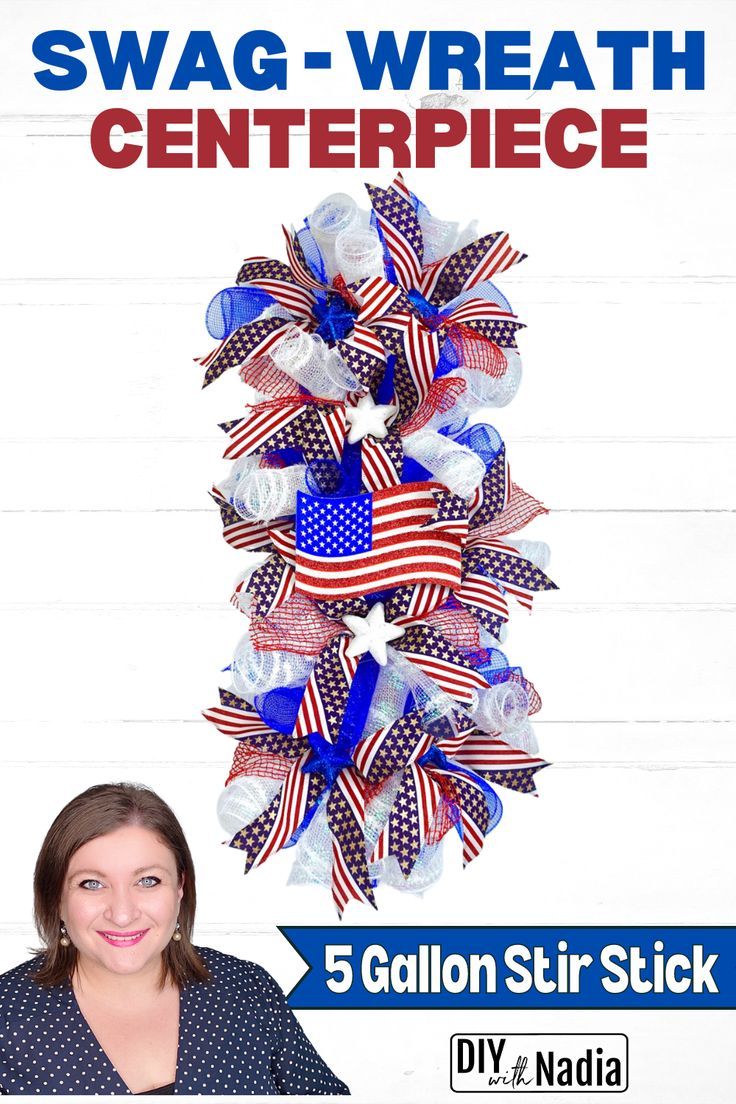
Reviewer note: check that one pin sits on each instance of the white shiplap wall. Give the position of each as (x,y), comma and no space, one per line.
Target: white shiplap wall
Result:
(115,580)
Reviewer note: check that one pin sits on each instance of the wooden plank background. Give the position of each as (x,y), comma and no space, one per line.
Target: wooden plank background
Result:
(113,593)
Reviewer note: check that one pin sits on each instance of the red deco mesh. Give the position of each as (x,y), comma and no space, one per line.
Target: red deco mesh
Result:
(373,789)
(258,764)
(456,625)
(262,374)
(520,509)
(447,814)
(283,401)
(535,702)
(477,351)
(295,626)
(442,395)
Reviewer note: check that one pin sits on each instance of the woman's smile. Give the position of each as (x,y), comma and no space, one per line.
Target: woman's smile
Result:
(123,939)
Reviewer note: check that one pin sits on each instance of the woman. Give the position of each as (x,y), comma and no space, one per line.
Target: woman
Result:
(120,1001)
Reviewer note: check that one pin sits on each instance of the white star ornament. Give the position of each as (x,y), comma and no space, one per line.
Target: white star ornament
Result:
(371,634)
(367,418)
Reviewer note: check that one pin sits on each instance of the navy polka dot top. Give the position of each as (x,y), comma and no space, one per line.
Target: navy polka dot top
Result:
(236,1035)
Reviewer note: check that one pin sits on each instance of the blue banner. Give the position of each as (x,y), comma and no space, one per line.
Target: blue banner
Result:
(529,967)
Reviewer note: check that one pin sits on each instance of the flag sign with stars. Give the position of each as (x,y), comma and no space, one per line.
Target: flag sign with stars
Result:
(351,546)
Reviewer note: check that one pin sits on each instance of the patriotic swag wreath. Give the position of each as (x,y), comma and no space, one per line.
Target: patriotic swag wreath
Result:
(372,705)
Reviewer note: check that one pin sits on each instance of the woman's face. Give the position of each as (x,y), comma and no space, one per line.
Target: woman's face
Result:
(121,900)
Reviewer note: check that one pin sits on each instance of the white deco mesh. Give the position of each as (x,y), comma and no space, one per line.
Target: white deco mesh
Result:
(459,468)
(256,672)
(308,360)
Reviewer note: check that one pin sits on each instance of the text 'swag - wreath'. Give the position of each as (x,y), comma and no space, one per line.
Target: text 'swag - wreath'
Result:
(373,707)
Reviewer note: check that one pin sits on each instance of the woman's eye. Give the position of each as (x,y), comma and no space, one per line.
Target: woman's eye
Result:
(149,881)
(91,883)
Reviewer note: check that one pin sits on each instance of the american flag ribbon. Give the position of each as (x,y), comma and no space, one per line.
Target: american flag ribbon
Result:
(277,280)
(471,800)
(270,584)
(381,461)
(377,297)
(321,711)
(249,341)
(275,826)
(297,262)
(483,593)
(422,351)
(517,576)
(234,717)
(498,762)
(490,498)
(251,536)
(417,348)
(417,352)
(416,601)
(436,657)
(443,280)
(399,227)
(362,356)
(428,792)
(352,546)
(346,821)
(392,748)
(317,429)
(326,692)
(411,818)
(519,509)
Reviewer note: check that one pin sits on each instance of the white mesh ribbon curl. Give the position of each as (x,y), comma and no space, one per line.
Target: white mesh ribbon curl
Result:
(314,366)
(262,494)
(256,672)
(459,468)
(358,254)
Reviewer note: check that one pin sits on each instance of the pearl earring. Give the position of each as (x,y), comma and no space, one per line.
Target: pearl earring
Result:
(177,933)
(64,939)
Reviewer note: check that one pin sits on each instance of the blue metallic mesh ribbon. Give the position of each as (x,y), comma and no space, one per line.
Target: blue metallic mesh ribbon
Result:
(484,440)
(279,707)
(312,254)
(234,307)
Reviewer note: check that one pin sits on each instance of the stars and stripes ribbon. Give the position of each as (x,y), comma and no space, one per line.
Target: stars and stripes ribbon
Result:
(500,506)
(399,228)
(436,657)
(244,344)
(235,717)
(382,461)
(499,763)
(317,429)
(274,828)
(270,584)
(277,280)
(316,731)
(504,564)
(249,536)
(430,784)
(322,711)
(445,279)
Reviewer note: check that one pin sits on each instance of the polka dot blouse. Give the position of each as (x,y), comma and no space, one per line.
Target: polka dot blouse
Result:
(236,1035)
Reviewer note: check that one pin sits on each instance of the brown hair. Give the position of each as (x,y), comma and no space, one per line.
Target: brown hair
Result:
(97,811)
